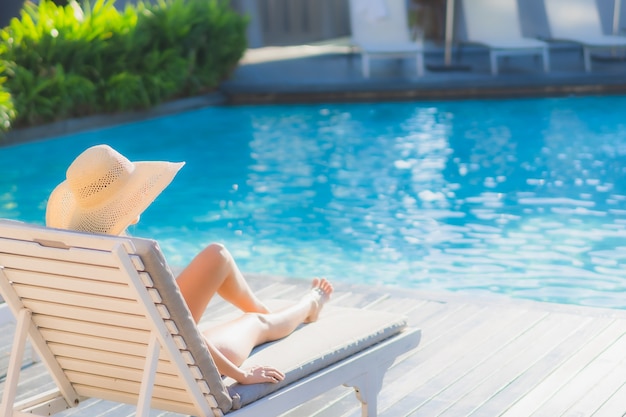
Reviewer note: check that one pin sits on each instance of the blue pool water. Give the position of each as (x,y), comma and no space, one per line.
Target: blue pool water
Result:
(521,197)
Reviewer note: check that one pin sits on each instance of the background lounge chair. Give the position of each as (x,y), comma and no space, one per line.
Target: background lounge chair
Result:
(105,316)
(495,24)
(579,21)
(380,29)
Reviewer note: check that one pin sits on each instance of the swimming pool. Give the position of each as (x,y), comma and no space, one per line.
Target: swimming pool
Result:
(523,197)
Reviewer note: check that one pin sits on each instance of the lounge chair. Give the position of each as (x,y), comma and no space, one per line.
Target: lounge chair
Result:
(106,318)
(380,29)
(495,24)
(579,21)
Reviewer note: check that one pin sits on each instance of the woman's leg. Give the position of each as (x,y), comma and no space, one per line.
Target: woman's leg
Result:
(214,271)
(236,338)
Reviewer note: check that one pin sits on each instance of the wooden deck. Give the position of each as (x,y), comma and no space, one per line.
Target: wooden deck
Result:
(479,356)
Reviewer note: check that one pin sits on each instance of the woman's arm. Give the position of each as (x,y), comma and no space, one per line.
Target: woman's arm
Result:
(253,375)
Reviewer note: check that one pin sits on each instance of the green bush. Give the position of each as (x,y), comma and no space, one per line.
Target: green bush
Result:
(7,112)
(75,60)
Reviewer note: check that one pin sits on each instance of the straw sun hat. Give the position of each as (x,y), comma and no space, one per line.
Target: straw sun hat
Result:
(104,192)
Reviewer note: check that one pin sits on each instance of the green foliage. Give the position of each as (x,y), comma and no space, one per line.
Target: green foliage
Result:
(80,59)
(206,33)
(7,111)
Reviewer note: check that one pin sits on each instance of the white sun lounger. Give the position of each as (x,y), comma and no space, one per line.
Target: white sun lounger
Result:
(495,25)
(106,318)
(380,29)
(579,21)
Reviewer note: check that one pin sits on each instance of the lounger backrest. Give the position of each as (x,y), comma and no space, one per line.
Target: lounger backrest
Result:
(95,302)
(573,18)
(379,21)
(491,19)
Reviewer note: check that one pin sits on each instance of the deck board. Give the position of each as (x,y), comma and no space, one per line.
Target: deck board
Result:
(479,356)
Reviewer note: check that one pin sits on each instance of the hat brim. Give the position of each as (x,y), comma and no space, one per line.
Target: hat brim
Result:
(113,216)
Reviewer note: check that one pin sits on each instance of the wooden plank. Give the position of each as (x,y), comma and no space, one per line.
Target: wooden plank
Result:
(108,357)
(72,269)
(63,282)
(34,380)
(480,356)
(120,379)
(399,398)
(78,300)
(592,400)
(615,405)
(128,398)
(318,405)
(520,351)
(443,327)
(26,232)
(485,356)
(398,306)
(522,371)
(101,408)
(544,390)
(97,343)
(478,388)
(586,369)
(87,314)
(104,330)
(70,254)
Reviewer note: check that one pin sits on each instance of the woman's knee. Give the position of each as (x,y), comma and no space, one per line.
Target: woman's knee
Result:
(215,249)
(216,253)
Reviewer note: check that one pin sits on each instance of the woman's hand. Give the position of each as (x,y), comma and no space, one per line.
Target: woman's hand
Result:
(259,374)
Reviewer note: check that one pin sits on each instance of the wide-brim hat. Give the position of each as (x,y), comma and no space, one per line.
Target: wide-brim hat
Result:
(105,193)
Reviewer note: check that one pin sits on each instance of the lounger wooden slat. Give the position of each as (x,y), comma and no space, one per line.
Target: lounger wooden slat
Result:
(50,238)
(115,386)
(100,345)
(86,314)
(97,343)
(128,398)
(38,250)
(62,282)
(105,330)
(108,369)
(97,302)
(105,356)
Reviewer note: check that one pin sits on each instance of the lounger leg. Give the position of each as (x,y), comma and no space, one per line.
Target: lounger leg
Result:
(494,63)
(15,363)
(149,374)
(546,60)
(420,64)
(366,387)
(587,59)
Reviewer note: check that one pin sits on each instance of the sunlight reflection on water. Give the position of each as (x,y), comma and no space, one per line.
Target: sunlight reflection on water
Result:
(521,197)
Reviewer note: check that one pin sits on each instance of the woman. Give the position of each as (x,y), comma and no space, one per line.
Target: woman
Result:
(105,193)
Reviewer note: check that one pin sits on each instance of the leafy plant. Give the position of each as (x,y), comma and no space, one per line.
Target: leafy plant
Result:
(208,34)
(7,111)
(79,59)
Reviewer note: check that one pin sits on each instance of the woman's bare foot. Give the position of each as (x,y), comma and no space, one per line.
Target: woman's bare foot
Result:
(319,294)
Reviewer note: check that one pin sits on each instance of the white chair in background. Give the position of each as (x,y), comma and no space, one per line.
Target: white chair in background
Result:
(380,29)
(495,24)
(579,21)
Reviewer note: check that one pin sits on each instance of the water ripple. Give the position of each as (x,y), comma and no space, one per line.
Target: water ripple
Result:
(521,197)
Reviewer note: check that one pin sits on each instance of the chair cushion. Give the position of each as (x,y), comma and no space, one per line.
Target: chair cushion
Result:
(338,334)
